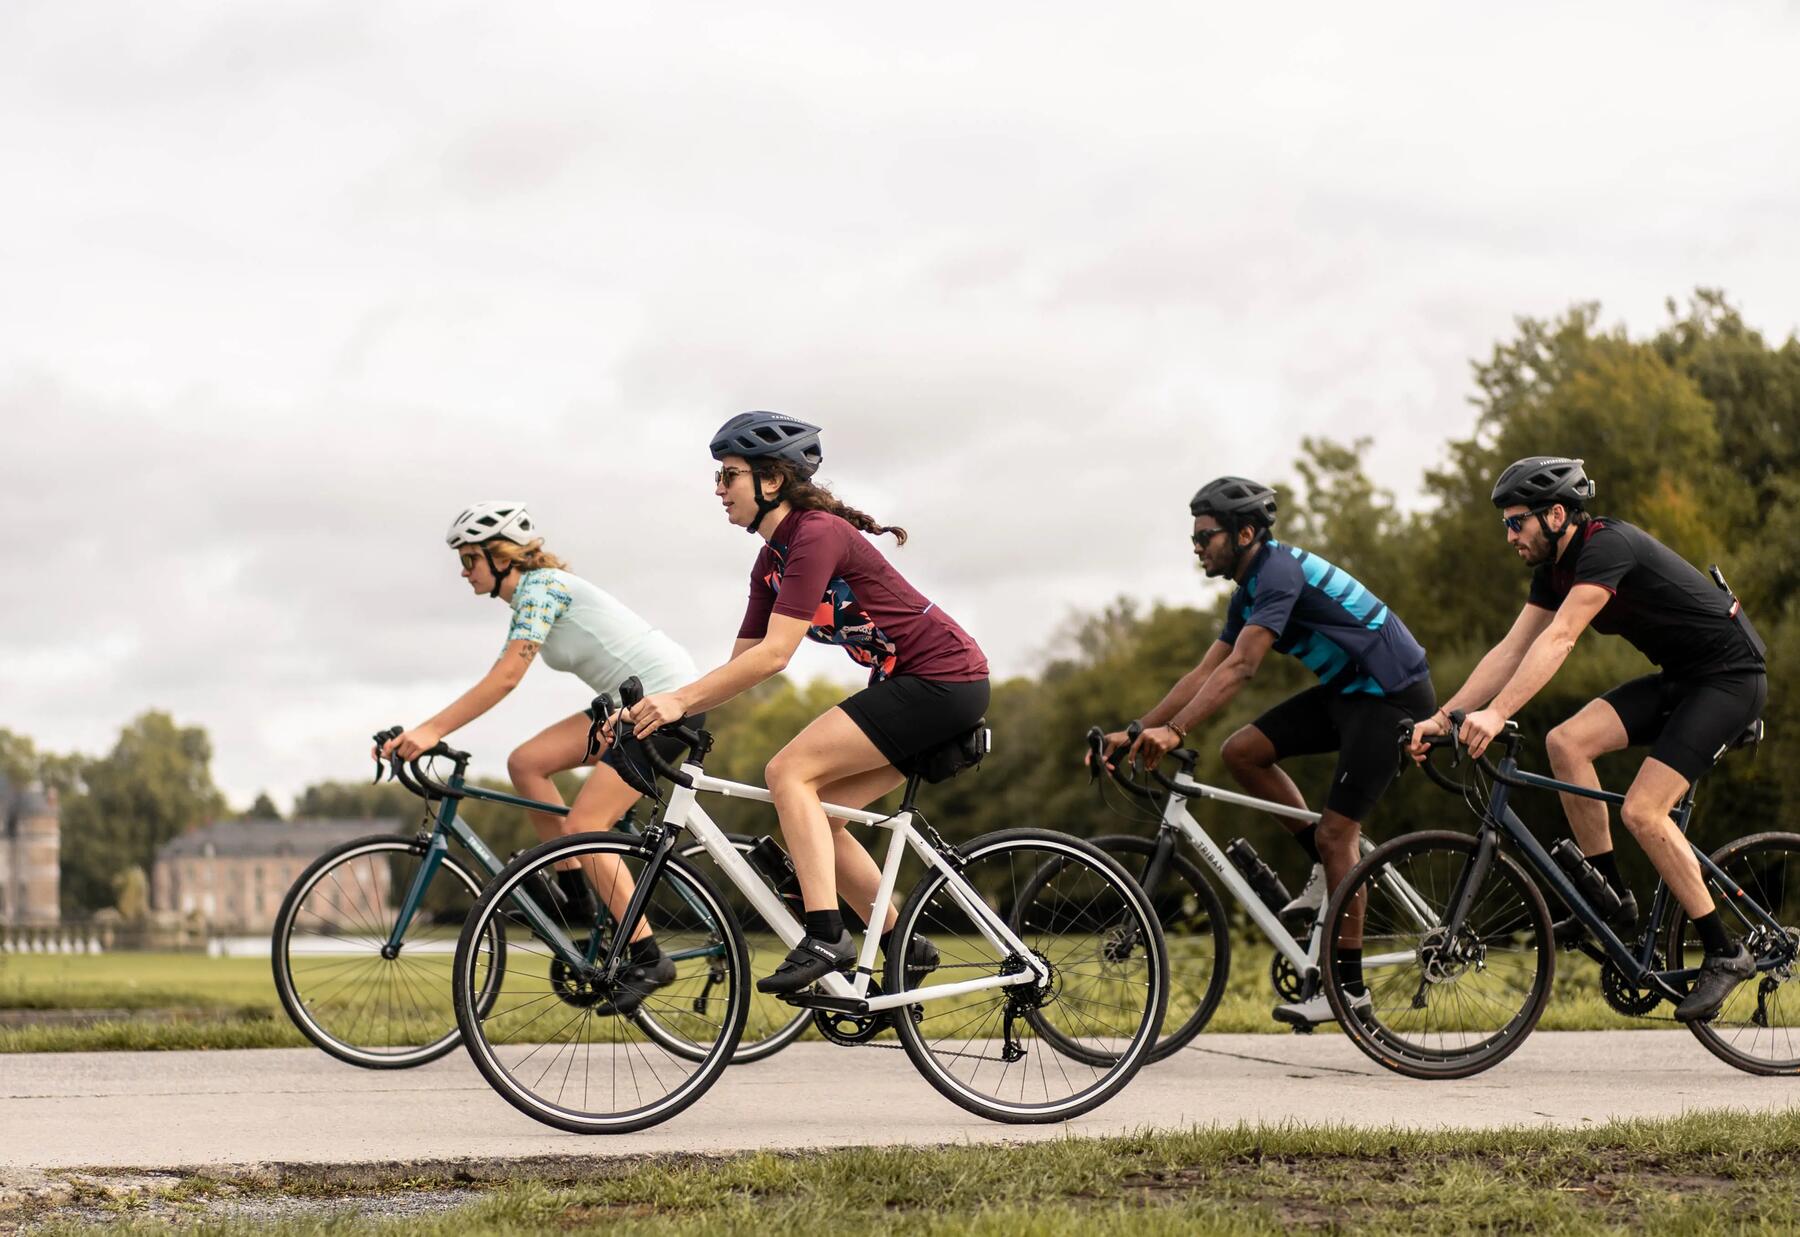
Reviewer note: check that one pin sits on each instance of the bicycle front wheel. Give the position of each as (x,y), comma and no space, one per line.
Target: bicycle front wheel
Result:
(345,983)
(1440,1007)
(1758,1027)
(1100,978)
(562,1042)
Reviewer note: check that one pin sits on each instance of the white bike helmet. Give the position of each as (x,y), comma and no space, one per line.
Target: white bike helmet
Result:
(485,521)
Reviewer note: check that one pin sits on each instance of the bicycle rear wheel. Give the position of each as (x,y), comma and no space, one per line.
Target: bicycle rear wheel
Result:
(986,1050)
(1195,934)
(345,988)
(1441,1008)
(552,1043)
(1758,1027)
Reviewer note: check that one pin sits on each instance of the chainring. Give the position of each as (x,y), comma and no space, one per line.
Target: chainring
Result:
(1289,983)
(1623,995)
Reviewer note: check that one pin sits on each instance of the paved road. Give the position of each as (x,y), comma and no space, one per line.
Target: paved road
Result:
(173,1109)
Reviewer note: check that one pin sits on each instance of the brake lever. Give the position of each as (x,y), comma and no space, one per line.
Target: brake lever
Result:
(382,738)
(602,707)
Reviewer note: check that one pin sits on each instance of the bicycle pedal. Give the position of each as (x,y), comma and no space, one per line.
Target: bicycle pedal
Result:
(1304,1028)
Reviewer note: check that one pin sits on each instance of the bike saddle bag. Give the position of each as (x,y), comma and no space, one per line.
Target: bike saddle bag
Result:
(947,759)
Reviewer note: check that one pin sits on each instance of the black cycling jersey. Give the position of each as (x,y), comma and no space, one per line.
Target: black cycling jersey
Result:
(1661,603)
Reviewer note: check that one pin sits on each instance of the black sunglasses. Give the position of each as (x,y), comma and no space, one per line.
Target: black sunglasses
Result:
(1204,537)
(1516,523)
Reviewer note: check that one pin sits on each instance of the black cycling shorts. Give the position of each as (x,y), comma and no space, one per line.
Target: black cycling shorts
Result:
(1363,729)
(1687,723)
(905,716)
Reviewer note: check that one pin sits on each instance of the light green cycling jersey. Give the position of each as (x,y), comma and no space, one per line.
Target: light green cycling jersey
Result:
(591,634)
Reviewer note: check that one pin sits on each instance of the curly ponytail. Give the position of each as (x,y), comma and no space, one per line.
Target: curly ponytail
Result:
(804,494)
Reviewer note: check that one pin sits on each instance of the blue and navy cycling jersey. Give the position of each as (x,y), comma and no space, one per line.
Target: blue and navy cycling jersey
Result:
(1319,613)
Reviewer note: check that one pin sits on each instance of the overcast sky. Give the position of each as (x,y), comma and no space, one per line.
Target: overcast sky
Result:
(284,286)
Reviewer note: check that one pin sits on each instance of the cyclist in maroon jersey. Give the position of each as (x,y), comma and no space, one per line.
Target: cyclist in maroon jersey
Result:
(817,577)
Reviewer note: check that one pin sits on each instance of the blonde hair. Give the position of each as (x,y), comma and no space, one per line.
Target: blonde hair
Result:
(525,557)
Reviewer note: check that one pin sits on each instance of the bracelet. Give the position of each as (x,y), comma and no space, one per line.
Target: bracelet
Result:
(1179,732)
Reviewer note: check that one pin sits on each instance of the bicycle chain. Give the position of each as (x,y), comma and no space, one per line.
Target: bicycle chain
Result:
(949,966)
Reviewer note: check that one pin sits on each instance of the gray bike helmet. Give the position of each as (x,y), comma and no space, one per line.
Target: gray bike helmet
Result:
(1540,481)
(770,436)
(761,436)
(1235,501)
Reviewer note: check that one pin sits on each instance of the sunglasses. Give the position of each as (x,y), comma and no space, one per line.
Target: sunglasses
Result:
(1204,537)
(1516,523)
(725,476)
(468,560)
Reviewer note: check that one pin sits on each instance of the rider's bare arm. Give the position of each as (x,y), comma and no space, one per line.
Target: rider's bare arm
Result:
(1234,669)
(752,662)
(494,687)
(1184,690)
(1551,648)
(1501,661)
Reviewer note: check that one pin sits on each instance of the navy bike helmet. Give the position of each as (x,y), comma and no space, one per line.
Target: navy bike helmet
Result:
(759,436)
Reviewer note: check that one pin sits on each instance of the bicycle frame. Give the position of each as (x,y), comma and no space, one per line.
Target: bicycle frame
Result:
(851,995)
(450,824)
(1500,819)
(1305,960)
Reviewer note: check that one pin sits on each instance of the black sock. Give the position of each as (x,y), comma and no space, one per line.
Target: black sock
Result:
(1309,841)
(1607,864)
(646,951)
(824,925)
(1349,969)
(1712,935)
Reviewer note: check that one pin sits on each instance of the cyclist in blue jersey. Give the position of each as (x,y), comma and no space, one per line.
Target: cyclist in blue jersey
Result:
(1710,685)
(580,628)
(1372,675)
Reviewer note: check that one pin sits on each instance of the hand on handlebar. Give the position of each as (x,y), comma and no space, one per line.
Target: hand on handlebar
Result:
(652,713)
(1153,744)
(1432,726)
(1480,729)
(1109,744)
(411,743)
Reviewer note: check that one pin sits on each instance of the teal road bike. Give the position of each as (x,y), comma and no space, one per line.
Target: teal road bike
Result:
(363,944)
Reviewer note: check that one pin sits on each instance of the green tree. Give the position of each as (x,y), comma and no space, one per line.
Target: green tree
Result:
(155,783)
(263,809)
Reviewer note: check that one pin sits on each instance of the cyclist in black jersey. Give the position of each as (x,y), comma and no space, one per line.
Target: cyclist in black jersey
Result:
(1372,676)
(1594,571)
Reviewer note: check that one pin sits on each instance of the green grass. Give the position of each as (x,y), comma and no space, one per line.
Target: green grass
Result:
(1717,1172)
(231,1003)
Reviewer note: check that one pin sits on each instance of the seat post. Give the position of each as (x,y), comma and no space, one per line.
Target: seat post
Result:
(912,791)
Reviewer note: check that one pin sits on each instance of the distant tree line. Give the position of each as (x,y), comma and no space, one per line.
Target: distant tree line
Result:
(1692,433)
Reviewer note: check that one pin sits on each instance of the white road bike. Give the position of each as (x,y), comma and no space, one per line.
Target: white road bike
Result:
(1031,1010)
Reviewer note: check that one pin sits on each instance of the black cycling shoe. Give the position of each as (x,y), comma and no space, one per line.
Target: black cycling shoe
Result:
(1719,976)
(1570,932)
(636,982)
(807,963)
(922,959)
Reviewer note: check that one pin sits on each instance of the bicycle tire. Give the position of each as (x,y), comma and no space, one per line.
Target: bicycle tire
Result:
(1518,912)
(1744,1023)
(411,981)
(1124,1026)
(1196,937)
(682,907)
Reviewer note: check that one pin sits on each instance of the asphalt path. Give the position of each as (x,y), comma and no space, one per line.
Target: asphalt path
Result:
(242,1108)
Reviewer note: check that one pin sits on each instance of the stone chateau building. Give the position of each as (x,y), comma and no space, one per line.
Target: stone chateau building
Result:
(30,856)
(233,874)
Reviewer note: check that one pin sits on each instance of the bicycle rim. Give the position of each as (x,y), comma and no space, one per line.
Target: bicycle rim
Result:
(1440,1008)
(549,1044)
(332,965)
(981,1049)
(1758,1027)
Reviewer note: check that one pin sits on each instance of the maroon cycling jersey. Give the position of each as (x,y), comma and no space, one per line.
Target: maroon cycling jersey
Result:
(818,568)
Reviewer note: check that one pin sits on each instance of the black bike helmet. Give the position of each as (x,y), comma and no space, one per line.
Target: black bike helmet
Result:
(1541,481)
(770,436)
(1235,501)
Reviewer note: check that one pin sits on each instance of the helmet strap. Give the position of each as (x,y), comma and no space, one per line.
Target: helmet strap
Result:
(763,505)
(494,570)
